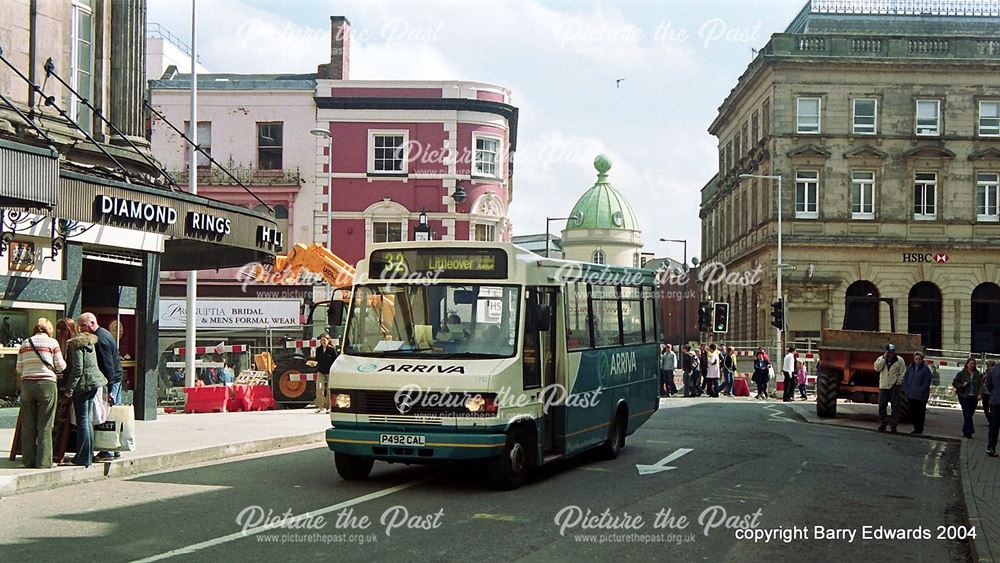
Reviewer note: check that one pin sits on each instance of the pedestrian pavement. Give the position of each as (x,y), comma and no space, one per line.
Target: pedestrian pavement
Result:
(175,440)
(978,472)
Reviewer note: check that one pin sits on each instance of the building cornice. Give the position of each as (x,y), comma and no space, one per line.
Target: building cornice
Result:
(507,111)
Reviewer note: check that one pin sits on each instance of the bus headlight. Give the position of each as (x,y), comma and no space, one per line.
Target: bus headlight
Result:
(343,401)
(475,404)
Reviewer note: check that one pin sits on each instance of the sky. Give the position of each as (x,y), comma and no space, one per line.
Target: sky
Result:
(561,60)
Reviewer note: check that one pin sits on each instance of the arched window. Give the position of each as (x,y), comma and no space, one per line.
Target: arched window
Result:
(598,257)
(986,318)
(861,306)
(925,314)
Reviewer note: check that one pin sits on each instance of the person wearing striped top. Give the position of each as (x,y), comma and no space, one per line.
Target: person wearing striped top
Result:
(38,361)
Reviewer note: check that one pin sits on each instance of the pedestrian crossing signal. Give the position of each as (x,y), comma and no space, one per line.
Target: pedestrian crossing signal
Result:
(721,317)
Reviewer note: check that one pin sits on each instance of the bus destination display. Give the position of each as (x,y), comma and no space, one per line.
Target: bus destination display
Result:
(487,263)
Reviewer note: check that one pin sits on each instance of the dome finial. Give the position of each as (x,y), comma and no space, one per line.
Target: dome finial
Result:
(602,163)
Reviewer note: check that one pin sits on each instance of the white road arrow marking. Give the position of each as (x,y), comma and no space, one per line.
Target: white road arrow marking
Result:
(662,464)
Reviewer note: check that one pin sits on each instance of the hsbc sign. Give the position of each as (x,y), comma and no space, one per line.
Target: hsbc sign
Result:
(926,258)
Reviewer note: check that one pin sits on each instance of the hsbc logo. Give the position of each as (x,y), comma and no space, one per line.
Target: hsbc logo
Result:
(925,258)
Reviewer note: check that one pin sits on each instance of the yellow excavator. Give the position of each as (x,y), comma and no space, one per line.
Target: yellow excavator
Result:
(293,371)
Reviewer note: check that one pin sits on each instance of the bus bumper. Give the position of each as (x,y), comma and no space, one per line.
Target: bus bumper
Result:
(438,446)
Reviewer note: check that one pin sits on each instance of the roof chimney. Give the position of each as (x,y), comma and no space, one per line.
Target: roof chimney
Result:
(340,50)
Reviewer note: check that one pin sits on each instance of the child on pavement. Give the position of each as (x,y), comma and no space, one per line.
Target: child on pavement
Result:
(800,375)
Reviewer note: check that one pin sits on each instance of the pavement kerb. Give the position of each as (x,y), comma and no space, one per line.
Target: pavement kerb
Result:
(980,547)
(62,476)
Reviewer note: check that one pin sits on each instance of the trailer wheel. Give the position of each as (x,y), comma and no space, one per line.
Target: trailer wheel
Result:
(507,471)
(289,393)
(352,467)
(826,395)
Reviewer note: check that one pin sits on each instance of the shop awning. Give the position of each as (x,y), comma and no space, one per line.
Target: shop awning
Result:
(201,233)
(29,176)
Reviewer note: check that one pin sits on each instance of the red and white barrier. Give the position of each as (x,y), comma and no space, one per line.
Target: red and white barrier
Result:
(200,350)
(314,343)
(302,377)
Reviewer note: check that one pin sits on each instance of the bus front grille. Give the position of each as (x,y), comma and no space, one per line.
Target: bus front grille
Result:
(386,419)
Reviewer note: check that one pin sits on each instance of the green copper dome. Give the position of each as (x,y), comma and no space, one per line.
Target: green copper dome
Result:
(602,207)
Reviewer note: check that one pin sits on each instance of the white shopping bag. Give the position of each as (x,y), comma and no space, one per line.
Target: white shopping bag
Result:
(106,436)
(124,418)
(99,409)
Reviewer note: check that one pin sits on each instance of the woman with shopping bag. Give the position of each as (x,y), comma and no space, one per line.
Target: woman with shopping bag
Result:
(83,382)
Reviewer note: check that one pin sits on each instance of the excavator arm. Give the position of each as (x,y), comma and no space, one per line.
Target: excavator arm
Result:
(315,258)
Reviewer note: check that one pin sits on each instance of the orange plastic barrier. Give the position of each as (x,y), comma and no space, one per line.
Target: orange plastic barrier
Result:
(206,398)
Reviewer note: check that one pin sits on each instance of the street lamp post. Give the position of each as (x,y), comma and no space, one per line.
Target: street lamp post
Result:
(780,263)
(325,133)
(575,217)
(685,314)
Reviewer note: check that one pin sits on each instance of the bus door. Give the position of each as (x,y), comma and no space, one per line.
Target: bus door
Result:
(539,359)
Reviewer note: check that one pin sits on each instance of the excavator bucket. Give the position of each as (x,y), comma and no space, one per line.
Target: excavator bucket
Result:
(264,362)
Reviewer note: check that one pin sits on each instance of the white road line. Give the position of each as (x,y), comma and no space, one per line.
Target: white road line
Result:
(254,531)
(932,461)
(776,414)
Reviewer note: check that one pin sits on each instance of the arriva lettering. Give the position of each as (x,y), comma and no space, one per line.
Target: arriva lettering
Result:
(411,368)
(623,362)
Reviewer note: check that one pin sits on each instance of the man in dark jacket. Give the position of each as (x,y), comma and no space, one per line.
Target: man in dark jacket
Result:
(917,388)
(108,361)
(325,355)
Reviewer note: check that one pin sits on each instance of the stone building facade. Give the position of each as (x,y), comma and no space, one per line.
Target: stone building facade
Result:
(885,130)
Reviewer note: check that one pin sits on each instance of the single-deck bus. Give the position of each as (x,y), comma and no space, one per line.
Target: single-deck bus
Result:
(486,351)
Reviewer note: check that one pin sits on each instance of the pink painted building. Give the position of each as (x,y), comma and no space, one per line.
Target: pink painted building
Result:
(403,149)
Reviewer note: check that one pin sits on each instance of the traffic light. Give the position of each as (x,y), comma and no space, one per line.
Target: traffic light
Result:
(704,313)
(721,317)
(778,314)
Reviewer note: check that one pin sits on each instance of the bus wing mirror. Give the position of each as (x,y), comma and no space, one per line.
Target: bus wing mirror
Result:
(335,314)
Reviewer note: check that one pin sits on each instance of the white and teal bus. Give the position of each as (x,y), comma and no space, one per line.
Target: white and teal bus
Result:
(485,351)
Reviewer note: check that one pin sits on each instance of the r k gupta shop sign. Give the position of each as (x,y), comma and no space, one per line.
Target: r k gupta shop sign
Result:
(232,313)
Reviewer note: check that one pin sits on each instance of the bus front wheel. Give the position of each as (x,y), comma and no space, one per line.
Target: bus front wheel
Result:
(352,467)
(507,471)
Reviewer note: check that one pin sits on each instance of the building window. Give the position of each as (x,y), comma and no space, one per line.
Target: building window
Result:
(861,306)
(387,152)
(986,197)
(863,195)
(744,140)
(729,155)
(82,63)
(807,115)
(925,196)
(486,232)
(986,318)
(269,143)
(806,192)
(865,116)
(929,118)
(765,119)
(924,316)
(487,156)
(989,119)
(754,128)
(598,257)
(204,141)
(635,260)
(387,231)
